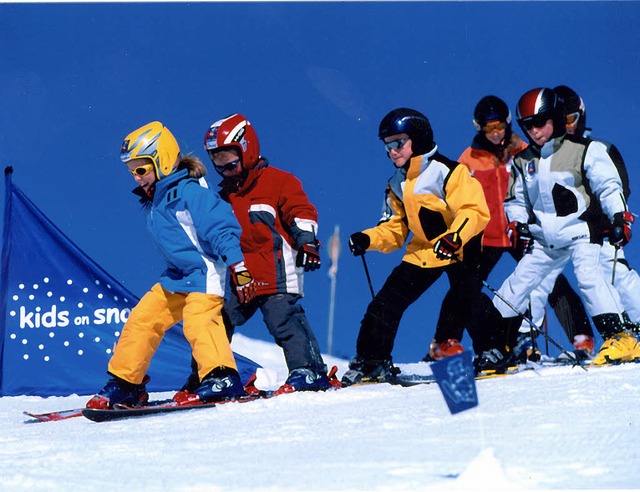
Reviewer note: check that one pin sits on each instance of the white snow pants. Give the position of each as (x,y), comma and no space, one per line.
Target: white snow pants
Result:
(627,285)
(627,281)
(545,264)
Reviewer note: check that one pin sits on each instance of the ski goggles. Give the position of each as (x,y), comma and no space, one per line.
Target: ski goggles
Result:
(494,126)
(229,166)
(395,144)
(142,170)
(572,118)
(537,120)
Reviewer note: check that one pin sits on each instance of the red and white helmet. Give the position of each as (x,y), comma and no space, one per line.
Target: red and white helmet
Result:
(234,131)
(537,106)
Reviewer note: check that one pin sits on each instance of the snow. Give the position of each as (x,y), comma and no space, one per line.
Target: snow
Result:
(556,428)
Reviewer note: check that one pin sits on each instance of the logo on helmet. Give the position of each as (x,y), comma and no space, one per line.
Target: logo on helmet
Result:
(211,138)
(125,154)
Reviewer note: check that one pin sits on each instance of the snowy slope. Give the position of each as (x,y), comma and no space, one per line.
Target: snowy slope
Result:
(559,428)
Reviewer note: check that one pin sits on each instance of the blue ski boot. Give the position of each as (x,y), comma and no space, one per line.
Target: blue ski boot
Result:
(221,384)
(304,379)
(120,391)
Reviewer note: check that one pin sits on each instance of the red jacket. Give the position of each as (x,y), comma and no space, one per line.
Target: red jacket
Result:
(493,174)
(276,219)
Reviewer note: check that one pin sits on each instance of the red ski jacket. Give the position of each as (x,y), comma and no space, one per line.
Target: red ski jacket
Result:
(276,219)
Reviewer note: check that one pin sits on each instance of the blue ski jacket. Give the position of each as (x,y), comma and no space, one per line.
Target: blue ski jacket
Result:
(195,232)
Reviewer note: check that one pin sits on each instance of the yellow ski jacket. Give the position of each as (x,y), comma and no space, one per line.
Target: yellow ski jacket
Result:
(431,198)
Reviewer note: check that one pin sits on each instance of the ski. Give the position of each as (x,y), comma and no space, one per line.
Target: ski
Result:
(55,416)
(123,412)
(416,379)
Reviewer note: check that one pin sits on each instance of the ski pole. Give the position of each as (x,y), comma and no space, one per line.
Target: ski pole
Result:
(615,262)
(545,326)
(526,318)
(366,271)
(533,325)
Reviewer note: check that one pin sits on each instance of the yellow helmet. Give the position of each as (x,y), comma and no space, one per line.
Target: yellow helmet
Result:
(153,141)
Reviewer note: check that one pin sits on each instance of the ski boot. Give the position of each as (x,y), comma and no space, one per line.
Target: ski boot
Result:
(525,349)
(439,351)
(304,379)
(584,346)
(495,360)
(120,391)
(221,384)
(622,347)
(369,371)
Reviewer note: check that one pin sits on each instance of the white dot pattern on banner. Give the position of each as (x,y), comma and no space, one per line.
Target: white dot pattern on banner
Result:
(31,320)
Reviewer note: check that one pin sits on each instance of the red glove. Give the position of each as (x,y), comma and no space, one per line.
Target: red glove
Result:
(308,257)
(243,282)
(447,246)
(521,238)
(620,233)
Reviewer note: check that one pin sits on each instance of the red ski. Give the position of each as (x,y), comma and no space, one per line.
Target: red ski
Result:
(53,416)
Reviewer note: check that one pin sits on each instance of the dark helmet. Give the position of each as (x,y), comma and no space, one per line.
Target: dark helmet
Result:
(488,109)
(491,108)
(573,105)
(411,122)
(539,105)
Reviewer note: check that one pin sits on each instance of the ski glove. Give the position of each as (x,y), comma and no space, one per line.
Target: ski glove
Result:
(620,233)
(243,282)
(309,257)
(521,238)
(358,243)
(447,246)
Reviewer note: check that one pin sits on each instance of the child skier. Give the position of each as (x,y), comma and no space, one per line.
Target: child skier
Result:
(438,201)
(555,187)
(199,239)
(279,242)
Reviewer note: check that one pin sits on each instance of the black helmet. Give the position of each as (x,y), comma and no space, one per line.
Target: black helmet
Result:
(411,122)
(538,105)
(491,108)
(573,105)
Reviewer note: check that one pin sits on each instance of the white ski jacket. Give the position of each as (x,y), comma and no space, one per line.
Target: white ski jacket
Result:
(558,190)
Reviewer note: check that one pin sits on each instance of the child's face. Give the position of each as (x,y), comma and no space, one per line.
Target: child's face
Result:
(227,163)
(143,172)
(402,154)
(541,135)
(495,131)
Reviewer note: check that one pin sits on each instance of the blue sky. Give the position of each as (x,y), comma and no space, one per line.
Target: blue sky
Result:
(315,79)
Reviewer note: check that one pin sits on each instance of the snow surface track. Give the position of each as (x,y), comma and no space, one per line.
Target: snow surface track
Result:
(557,428)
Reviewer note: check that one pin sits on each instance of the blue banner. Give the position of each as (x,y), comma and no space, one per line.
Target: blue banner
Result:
(62,313)
(456,378)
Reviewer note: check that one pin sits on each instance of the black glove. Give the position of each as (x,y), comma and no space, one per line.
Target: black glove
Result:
(358,243)
(521,238)
(308,257)
(243,282)
(620,233)
(447,246)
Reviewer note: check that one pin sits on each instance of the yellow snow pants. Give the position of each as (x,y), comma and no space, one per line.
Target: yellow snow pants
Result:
(158,311)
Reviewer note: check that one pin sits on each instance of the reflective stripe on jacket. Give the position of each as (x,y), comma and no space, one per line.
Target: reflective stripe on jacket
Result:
(196,234)
(276,219)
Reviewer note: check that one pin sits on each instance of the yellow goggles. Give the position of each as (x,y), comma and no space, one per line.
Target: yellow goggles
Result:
(142,170)
(572,118)
(494,126)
